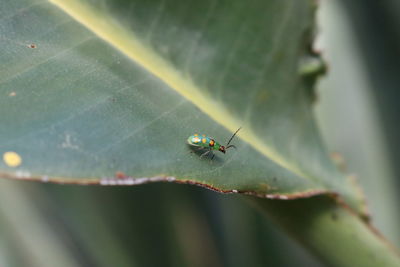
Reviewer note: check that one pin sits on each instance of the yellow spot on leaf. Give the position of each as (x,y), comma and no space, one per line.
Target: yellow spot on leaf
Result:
(12,159)
(204,140)
(196,135)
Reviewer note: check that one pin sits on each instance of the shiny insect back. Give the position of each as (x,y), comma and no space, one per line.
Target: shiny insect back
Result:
(203,141)
(206,142)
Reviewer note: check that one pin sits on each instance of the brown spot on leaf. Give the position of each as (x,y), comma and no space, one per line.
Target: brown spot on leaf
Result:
(120,175)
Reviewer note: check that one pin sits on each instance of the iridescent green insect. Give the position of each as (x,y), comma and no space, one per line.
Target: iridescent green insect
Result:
(206,142)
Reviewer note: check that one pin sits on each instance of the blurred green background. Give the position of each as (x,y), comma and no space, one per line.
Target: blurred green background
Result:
(181,225)
(358,111)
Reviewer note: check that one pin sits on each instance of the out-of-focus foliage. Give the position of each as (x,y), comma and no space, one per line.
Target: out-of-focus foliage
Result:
(358,108)
(150,225)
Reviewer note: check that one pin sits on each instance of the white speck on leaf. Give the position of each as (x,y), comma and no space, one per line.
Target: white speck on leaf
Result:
(68,142)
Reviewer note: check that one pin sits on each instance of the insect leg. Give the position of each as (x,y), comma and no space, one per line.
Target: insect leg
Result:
(206,153)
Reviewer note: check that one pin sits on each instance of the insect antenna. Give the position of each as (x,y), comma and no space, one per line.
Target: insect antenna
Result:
(227,145)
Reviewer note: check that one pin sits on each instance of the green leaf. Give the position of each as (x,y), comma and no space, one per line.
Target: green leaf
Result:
(115,104)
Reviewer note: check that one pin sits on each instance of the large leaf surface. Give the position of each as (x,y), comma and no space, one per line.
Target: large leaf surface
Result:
(80,106)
